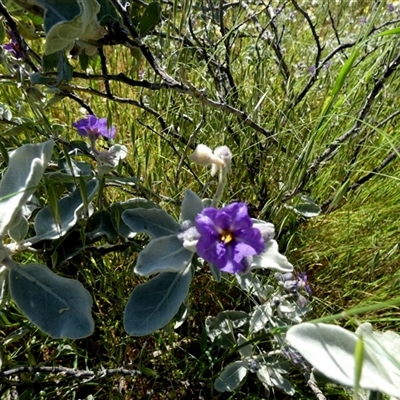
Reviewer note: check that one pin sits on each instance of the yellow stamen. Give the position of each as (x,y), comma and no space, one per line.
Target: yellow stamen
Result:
(226,237)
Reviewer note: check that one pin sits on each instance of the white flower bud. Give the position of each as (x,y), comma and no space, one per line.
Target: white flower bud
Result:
(203,155)
(224,154)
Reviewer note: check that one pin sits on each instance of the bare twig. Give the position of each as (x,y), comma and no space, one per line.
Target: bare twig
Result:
(85,375)
(388,159)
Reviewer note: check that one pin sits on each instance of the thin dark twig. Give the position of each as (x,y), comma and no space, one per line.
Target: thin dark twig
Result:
(68,372)
(76,98)
(354,130)
(360,144)
(333,24)
(313,31)
(104,71)
(388,159)
(333,147)
(314,76)
(23,47)
(191,91)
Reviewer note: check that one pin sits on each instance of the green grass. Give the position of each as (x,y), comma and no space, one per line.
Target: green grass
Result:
(349,252)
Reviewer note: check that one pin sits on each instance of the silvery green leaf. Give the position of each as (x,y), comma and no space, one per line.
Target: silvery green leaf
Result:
(244,351)
(68,21)
(231,377)
(100,225)
(59,306)
(3,287)
(164,254)
(280,382)
(263,376)
(25,170)
(305,206)
(270,258)
(154,303)
(216,272)
(70,208)
(384,349)
(261,318)
(225,322)
(117,209)
(330,349)
(191,206)
(154,222)
(19,229)
(181,316)
(253,285)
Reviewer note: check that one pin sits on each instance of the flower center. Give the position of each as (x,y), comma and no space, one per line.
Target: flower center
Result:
(226,237)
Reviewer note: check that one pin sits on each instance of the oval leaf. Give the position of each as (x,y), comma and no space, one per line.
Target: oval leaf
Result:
(164,254)
(231,377)
(59,306)
(69,208)
(25,170)
(330,349)
(154,222)
(63,24)
(270,258)
(117,209)
(154,303)
(150,18)
(191,206)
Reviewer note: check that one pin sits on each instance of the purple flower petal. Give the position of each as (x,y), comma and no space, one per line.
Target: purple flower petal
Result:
(228,238)
(94,127)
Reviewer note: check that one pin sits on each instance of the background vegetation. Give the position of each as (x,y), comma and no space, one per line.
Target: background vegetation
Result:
(304,93)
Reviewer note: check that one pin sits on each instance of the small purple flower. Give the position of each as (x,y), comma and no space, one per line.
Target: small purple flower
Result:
(302,282)
(391,7)
(13,47)
(227,237)
(312,70)
(94,127)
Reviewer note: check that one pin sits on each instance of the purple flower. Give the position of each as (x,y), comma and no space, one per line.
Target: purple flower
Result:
(302,282)
(13,47)
(94,127)
(391,7)
(227,237)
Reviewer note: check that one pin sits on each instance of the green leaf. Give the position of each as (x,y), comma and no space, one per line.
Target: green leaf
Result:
(108,13)
(270,258)
(100,225)
(246,349)
(330,349)
(117,209)
(150,18)
(393,31)
(4,296)
(20,228)
(191,206)
(55,61)
(154,222)
(231,377)
(70,208)
(305,206)
(2,32)
(25,170)
(164,254)
(225,322)
(153,304)
(67,20)
(59,306)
